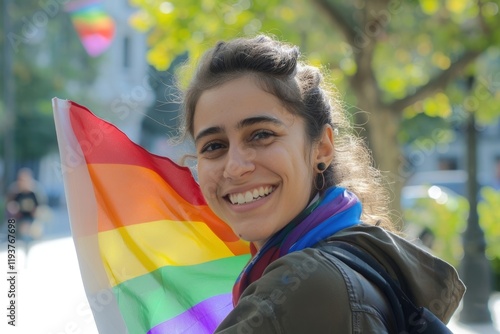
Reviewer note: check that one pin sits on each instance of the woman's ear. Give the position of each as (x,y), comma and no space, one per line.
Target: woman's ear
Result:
(325,150)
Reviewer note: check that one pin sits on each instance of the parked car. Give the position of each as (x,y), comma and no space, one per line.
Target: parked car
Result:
(431,211)
(454,180)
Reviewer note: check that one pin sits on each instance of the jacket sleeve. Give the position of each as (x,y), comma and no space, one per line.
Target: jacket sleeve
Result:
(298,293)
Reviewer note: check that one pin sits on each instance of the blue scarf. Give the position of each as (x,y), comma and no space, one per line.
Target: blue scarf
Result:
(333,211)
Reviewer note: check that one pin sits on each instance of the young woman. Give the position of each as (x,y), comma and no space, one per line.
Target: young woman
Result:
(278,163)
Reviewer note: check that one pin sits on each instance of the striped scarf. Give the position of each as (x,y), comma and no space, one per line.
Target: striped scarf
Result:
(335,210)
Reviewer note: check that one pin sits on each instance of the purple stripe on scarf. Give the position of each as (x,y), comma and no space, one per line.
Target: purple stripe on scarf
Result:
(340,203)
(203,318)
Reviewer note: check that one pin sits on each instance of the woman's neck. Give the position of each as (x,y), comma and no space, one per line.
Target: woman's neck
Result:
(260,243)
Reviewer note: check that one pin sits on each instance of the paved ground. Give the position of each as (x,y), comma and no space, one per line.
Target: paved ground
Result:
(493,328)
(49,294)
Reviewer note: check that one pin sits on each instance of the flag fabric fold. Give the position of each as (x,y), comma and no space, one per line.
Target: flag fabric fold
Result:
(153,257)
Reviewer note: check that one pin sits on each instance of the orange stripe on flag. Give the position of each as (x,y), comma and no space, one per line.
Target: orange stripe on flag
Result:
(130,194)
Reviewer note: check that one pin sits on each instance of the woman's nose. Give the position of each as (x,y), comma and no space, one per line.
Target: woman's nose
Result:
(239,162)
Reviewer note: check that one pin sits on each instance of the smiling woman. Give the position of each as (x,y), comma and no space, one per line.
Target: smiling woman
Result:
(278,162)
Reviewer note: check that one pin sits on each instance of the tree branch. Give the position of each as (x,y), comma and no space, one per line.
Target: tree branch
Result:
(374,22)
(340,21)
(482,22)
(437,83)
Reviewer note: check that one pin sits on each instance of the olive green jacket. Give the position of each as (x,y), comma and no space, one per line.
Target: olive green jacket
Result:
(310,291)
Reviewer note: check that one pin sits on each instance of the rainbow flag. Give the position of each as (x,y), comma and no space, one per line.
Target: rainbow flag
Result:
(94,26)
(153,257)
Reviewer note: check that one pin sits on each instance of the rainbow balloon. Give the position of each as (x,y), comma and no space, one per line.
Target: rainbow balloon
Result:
(93,25)
(153,257)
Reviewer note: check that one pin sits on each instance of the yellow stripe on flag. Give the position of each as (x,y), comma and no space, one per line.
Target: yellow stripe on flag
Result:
(135,250)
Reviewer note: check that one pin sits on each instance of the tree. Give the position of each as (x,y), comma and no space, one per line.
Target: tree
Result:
(393,59)
(46,58)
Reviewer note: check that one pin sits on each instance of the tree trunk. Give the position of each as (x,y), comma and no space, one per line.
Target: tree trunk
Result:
(382,126)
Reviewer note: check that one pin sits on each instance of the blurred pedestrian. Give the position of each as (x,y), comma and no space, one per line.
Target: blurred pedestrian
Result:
(25,198)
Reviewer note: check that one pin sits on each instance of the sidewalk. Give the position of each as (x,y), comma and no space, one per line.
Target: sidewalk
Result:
(494,328)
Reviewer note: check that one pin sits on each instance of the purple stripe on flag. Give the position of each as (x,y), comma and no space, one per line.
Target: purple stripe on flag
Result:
(203,318)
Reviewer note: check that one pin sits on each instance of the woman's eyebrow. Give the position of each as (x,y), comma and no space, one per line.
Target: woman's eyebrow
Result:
(208,131)
(259,119)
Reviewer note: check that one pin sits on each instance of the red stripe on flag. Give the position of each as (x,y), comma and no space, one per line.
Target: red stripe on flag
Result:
(102,142)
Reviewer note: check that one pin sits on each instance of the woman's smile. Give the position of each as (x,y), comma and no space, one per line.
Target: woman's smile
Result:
(250,196)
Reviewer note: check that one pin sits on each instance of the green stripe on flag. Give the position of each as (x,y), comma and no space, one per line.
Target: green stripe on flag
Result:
(151,299)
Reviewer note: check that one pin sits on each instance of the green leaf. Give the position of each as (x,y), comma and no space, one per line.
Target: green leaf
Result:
(429,7)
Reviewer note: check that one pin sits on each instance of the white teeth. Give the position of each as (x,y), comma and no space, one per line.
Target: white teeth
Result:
(240,199)
(250,196)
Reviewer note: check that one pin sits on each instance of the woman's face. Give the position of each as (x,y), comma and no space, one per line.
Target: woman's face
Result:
(254,161)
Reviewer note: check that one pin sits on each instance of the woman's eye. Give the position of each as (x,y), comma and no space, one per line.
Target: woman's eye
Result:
(211,147)
(262,135)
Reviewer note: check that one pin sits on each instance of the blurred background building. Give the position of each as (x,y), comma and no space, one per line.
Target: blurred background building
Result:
(445,163)
(120,91)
